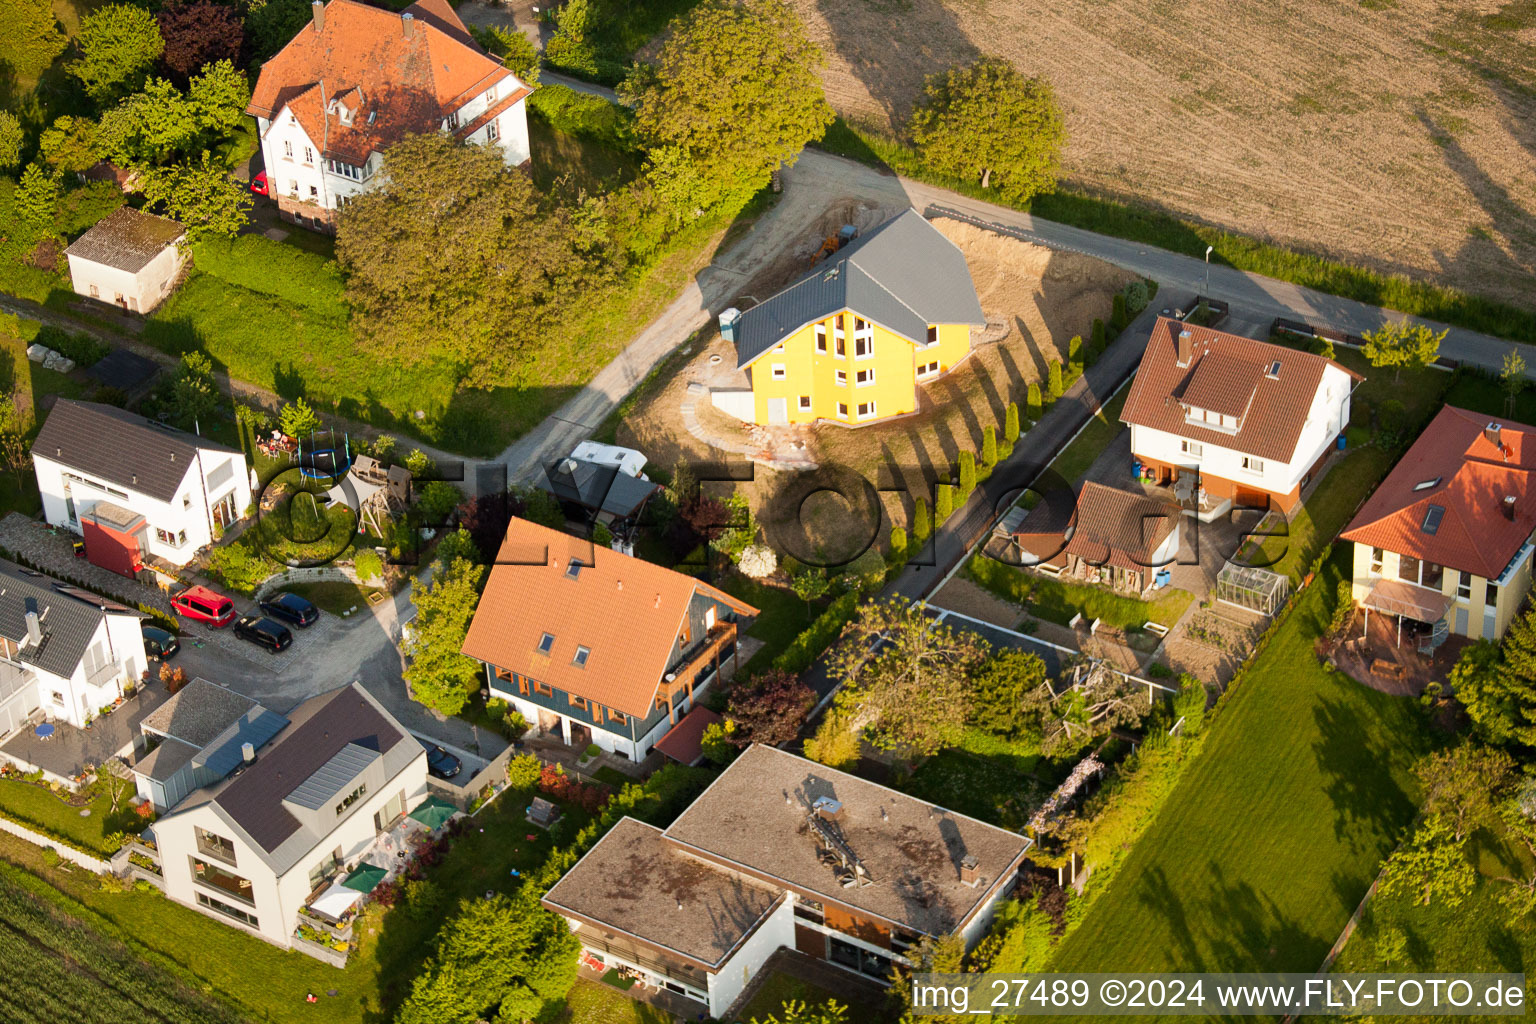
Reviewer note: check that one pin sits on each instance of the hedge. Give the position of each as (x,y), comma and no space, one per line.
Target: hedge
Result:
(803,651)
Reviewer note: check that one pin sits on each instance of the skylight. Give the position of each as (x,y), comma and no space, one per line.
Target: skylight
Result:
(1424,485)
(1274,369)
(573,570)
(582,653)
(546,643)
(1432,517)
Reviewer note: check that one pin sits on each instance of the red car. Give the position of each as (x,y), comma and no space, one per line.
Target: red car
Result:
(203,605)
(259,184)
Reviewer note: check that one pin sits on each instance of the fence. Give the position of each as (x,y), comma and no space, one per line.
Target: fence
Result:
(63,849)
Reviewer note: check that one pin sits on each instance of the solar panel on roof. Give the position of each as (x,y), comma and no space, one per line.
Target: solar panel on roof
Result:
(1432,519)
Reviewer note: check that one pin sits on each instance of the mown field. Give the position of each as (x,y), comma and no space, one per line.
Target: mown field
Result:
(1260,855)
(1391,133)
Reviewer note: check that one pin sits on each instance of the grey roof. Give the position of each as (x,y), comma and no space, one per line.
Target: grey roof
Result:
(596,486)
(903,275)
(634,880)
(332,778)
(198,712)
(127,239)
(120,447)
(753,819)
(165,760)
(69,617)
(115,516)
(323,726)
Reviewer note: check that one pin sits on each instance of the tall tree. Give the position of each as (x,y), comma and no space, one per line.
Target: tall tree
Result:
(69,144)
(1399,343)
(440,676)
(911,692)
(1512,376)
(219,96)
(769,708)
(998,689)
(197,33)
(119,44)
(11,140)
(1519,894)
(194,391)
(148,128)
(1497,686)
(737,89)
(202,196)
(453,259)
(1431,866)
(987,121)
(31,39)
(1465,785)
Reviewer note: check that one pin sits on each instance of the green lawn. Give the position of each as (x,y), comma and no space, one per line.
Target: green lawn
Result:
(1273,834)
(38,808)
(1080,454)
(594,1003)
(782,616)
(335,597)
(986,777)
(1058,601)
(1293,547)
(779,988)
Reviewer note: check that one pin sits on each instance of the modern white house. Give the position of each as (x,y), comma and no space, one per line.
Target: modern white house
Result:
(598,647)
(783,853)
(196,739)
(64,653)
(128,258)
(318,802)
(1227,420)
(138,491)
(359,78)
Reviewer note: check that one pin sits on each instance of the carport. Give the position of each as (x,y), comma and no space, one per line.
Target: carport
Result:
(1405,600)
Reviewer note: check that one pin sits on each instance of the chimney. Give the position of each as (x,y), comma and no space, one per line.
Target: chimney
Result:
(1184,349)
(247,754)
(970,870)
(317,11)
(1494,433)
(1509,507)
(408,24)
(34,628)
(728,321)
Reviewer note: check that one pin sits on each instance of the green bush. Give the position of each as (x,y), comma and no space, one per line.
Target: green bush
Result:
(967,474)
(523,771)
(1075,350)
(922,524)
(368,564)
(989,445)
(943,504)
(803,651)
(1053,385)
(1360,414)
(898,545)
(1011,424)
(238,567)
(1393,417)
(82,348)
(1033,402)
(1096,339)
(584,115)
(1136,298)
(1117,312)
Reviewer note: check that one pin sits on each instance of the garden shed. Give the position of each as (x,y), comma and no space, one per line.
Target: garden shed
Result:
(128,258)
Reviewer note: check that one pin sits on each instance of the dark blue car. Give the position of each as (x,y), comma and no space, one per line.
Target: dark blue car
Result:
(290,608)
(439,762)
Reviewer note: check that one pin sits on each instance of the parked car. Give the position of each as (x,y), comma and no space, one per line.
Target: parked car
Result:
(204,605)
(159,644)
(290,608)
(274,636)
(259,184)
(439,762)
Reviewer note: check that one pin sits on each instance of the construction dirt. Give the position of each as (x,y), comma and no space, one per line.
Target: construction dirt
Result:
(1035,300)
(1398,134)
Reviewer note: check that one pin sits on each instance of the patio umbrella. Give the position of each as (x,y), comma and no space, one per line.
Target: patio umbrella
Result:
(366,878)
(45,730)
(433,812)
(335,901)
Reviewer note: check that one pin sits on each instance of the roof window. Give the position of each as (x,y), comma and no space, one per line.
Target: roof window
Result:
(546,643)
(1432,516)
(1273,373)
(1424,485)
(582,654)
(573,570)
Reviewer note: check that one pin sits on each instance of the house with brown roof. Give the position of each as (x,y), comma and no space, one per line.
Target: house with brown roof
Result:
(782,852)
(359,78)
(1226,420)
(595,646)
(1446,539)
(128,258)
(257,844)
(1109,536)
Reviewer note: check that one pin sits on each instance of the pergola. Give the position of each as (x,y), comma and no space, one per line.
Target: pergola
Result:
(1394,597)
(1257,590)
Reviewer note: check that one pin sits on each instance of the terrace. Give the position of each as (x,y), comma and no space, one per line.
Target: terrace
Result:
(67,754)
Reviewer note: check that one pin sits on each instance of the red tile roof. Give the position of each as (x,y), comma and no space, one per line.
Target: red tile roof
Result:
(1226,374)
(405,83)
(684,742)
(626,611)
(1455,467)
(1108,526)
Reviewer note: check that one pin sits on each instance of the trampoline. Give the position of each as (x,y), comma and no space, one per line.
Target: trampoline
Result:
(324,464)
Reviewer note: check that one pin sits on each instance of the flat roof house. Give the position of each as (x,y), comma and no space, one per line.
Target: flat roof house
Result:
(1109,536)
(128,258)
(1445,541)
(782,852)
(254,848)
(851,341)
(595,646)
(137,490)
(1228,420)
(356,80)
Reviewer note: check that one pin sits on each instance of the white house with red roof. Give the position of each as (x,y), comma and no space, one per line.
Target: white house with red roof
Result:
(1229,420)
(355,80)
(1446,538)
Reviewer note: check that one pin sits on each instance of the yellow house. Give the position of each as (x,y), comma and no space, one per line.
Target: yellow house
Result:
(851,341)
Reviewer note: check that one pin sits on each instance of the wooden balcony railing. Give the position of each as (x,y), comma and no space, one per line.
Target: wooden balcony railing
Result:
(704,660)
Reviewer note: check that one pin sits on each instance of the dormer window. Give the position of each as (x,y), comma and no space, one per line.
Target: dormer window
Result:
(351,798)
(546,643)
(451,121)
(490,95)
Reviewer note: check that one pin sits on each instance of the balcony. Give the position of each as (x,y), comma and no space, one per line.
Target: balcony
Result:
(226,882)
(700,663)
(216,847)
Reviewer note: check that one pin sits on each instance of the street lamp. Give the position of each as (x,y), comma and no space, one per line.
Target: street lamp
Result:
(1208,250)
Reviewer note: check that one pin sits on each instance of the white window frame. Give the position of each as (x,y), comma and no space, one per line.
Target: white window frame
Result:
(842,378)
(842,410)
(820,331)
(928,369)
(872,413)
(1253,464)
(492,130)
(864,378)
(288,148)
(1378,561)
(805,403)
(779,371)
(1192,448)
